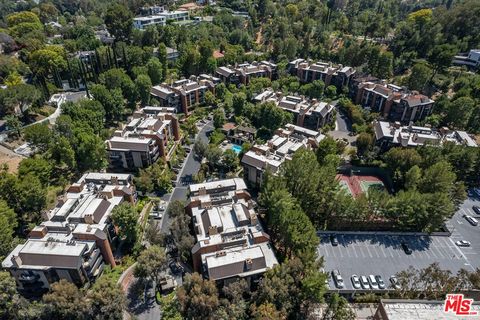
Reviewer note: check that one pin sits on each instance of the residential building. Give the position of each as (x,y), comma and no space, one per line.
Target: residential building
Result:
(308,71)
(389,135)
(230,243)
(281,147)
(243,73)
(159,18)
(311,114)
(470,60)
(393,102)
(73,243)
(399,309)
(184,94)
(150,135)
(172,54)
(239,134)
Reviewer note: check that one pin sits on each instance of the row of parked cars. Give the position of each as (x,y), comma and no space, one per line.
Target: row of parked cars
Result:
(370,282)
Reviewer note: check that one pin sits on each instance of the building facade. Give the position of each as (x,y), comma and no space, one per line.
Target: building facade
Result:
(309,71)
(243,73)
(388,135)
(392,102)
(73,243)
(280,148)
(159,16)
(230,241)
(184,94)
(151,134)
(310,114)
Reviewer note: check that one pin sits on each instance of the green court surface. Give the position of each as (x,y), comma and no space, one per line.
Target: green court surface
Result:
(366,185)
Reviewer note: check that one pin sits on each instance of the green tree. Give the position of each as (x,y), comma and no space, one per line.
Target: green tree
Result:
(151,263)
(327,146)
(364,143)
(111,100)
(155,70)
(38,135)
(90,151)
(331,91)
(459,112)
(413,178)
(143,84)
(180,229)
(62,153)
(64,301)
(230,160)
(125,218)
(38,167)
(441,57)
(218,118)
(106,300)
(198,298)
(8,223)
(14,124)
(119,21)
(419,77)
(238,102)
(338,309)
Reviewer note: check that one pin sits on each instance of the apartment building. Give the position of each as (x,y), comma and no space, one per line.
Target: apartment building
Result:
(311,114)
(281,147)
(389,135)
(308,71)
(151,134)
(392,102)
(73,243)
(158,16)
(184,94)
(243,73)
(230,243)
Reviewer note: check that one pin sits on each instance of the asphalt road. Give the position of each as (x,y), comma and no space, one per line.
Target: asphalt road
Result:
(190,168)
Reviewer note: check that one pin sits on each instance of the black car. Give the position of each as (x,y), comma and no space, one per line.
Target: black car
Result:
(476,209)
(406,248)
(334,240)
(176,268)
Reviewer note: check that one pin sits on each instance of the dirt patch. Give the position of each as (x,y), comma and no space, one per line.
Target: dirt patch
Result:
(10,158)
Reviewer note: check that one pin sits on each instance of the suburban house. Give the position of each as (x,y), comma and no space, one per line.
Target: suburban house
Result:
(150,135)
(470,60)
(393,102)
(311,114)
(281,147)
(243,73)
(158,15)
(308,71)
(389,135)
(184,94)
(230,243)
(73,243)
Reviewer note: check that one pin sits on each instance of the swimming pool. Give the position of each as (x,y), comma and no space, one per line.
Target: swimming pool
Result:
(236,148)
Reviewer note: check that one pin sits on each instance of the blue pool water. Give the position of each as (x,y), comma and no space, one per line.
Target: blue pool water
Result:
(237,148)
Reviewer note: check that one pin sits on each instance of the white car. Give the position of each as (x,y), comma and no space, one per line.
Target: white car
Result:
(472,220)
(373,282)
(463,243)
(355,281)
(156,215)
(364,282)
(338,279)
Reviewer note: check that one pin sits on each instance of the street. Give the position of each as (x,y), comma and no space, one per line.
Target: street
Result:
(343,127)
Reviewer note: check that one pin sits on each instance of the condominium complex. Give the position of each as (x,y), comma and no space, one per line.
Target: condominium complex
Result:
(184,94)
(152,133)
(389,135)
(309,71)
(281,147)
(311,114)
(158,16)
(243,73)
(230,241)
(73,243)
(392,102)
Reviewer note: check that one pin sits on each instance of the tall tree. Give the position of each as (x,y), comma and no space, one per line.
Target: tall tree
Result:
(119,21)
(151,263)
(125,219)
(198,298)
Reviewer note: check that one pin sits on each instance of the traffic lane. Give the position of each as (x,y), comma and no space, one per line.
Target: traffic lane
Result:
(365,254)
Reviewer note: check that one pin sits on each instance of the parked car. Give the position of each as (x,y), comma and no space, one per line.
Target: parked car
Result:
(176,268)
(356,281)
(406,248)
(364,282)
(476,209)
(463,243)
(156,215)
(334,240)
(381,283)
(338,279)
(394,282)
(471,220)
(373,282)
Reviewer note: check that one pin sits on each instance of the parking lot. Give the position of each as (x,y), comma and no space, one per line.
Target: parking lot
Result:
(382,254)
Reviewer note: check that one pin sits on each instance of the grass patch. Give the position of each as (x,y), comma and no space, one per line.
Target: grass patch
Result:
(52,193)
